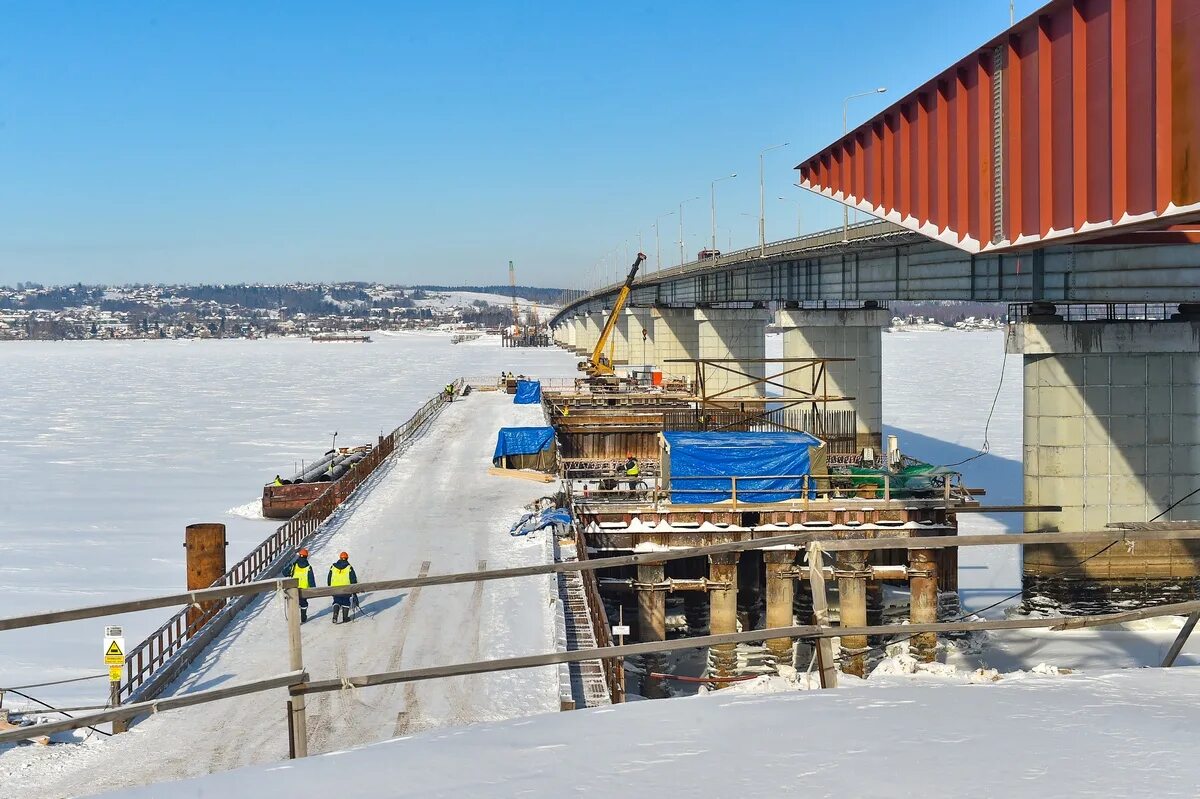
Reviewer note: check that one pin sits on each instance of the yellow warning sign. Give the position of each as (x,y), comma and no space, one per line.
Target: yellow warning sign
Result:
(113,656)
(114,673)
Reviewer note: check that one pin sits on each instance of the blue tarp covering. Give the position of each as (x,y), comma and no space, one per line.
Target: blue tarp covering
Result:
(529,392)
(522,441)
(551,517)
(719,456)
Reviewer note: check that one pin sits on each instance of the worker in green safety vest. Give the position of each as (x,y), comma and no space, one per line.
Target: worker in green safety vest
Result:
(342,573)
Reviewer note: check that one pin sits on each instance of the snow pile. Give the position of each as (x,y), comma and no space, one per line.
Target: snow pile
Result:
(1109,734)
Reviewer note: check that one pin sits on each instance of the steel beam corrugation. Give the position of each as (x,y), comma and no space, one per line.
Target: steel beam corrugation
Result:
(1091,125)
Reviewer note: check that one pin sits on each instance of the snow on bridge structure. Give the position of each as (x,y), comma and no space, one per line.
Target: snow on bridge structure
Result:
(1053,168)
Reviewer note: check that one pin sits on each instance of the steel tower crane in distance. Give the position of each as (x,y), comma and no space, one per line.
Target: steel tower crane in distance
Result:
(516,310)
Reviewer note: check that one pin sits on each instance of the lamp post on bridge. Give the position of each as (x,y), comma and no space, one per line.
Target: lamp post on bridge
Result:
(657,245)
(845,130)
(762,204)
(688,200)
(713,190)
(799,210)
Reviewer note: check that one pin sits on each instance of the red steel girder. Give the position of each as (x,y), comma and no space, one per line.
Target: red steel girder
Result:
(1081,119)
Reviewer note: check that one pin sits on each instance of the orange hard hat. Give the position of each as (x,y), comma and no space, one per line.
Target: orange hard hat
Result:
(303,553)
(344,555)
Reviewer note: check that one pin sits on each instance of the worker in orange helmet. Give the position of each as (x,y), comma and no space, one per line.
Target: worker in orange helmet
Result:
(304,574)
(342,573)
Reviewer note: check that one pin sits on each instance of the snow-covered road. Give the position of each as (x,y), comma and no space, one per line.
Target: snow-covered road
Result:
(436,509)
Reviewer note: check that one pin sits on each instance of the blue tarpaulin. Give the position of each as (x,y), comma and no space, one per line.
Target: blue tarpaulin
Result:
(551,517)
(778,461)
(522,441)
(529,392)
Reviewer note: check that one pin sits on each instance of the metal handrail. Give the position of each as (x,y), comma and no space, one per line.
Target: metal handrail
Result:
(166,644)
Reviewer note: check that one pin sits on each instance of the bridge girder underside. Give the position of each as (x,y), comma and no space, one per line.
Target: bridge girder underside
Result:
(910,267)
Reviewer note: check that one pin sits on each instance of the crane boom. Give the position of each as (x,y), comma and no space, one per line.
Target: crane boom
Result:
(512,284)
(599,365)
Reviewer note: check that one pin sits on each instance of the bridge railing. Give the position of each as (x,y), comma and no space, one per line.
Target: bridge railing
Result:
(823,238)
(154,662)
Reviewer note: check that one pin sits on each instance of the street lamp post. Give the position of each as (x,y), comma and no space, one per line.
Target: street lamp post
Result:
(762,204)
(799,209)
(713,190)
(688,200)
(657,244)
(845,130)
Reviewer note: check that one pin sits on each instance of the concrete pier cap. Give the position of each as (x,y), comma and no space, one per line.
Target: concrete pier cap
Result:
(1112,434)
(842,333)
(739,336)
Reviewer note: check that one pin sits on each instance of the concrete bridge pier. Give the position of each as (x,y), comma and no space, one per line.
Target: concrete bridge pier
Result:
(569,331)
(676,336)
(737,336)
(640,349)
(593,322)
(1112,434)
(843,333)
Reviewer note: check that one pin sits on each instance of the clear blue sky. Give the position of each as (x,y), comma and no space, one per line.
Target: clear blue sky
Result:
(407,143)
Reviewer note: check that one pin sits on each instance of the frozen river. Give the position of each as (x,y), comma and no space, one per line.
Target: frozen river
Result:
(113,447)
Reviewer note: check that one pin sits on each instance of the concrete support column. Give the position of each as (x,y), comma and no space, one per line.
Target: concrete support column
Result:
(733,334)
(723,611)
(923,605)
(780,592)
(594,322)
(640,348)
(851,570)
(676,336)
(570,331)
(847,333)
(1112,434)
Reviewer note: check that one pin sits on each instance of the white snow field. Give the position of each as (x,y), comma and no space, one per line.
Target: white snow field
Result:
(112,448)
(1105,735)
(434,510)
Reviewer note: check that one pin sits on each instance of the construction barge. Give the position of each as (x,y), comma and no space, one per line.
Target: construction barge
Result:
(284,498)
(341,337)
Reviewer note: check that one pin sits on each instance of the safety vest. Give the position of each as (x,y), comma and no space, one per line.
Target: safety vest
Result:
(340,576)
(278,482)
(304,575)
(634,470)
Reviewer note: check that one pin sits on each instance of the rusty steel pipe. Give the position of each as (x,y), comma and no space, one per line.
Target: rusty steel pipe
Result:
(205,545)
(722,568)
(780,593)
(923,585)
(850,568)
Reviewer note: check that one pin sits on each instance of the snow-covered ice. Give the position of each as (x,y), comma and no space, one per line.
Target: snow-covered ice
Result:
(112,448)
(433,510)
(1107,734)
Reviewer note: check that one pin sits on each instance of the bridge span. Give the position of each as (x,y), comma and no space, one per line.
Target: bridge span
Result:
(1052,168)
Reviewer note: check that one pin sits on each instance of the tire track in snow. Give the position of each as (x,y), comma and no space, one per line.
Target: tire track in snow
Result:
(461,706)
(404,717)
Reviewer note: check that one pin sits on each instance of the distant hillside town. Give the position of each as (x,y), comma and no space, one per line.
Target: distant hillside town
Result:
(33,311)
